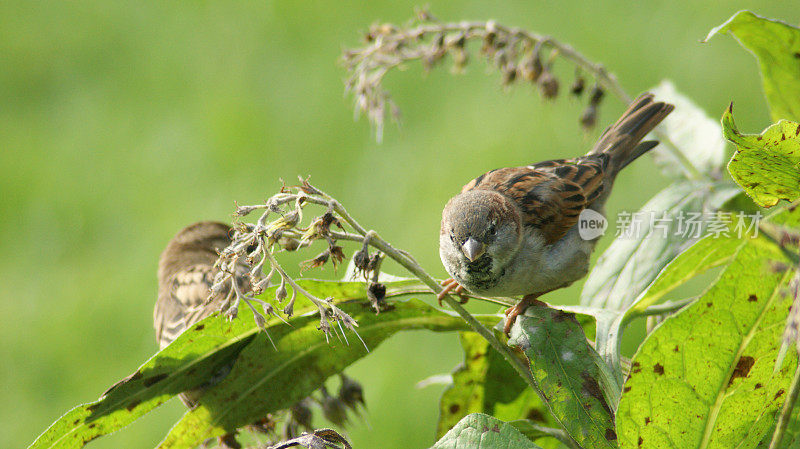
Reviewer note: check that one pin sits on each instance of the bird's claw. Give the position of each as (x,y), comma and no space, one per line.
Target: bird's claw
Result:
(451,285)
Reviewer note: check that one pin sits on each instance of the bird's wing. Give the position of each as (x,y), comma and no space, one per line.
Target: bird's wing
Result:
(551,194)
(178,305)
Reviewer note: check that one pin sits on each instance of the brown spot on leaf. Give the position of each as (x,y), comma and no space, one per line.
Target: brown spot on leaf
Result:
(676,349)
(797,131)
(92,425)
(797,54)
(611,435)
(93,407)
(454,408)
(778,394)
(535,415)
(742,367)
(752,298)
(646,420)
(709,304)
(626,389)
(496,428)
(783,137)
(758,137)
(636,367)
(757,386)
(155,379)
(639,443)
(592,388)
(200,327)
(658,369)
(133,404)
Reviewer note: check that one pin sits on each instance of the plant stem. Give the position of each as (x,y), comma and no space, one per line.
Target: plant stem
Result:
(786,411)
(413,267)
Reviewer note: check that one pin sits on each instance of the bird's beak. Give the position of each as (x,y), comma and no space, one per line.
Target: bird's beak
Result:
(473,249)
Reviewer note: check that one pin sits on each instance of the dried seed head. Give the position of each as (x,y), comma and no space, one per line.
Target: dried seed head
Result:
(289,244)
(361,260)
(351,393)
(578,86)
(260,321)
(532,68)
(596,95)
(289,309)
(318,261)
(301,414)
(589,117)
(548,85)
(337,254)
(333,408)
(267,308)
(509,73)
(280,293)
(376,293)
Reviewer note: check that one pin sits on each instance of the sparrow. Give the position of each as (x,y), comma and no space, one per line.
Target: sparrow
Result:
(186,272)
(514,231)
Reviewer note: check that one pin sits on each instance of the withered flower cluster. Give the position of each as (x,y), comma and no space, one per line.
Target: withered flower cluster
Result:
(280,227)
(519,55)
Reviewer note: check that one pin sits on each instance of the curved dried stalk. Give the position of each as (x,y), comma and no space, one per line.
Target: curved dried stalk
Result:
(519,55)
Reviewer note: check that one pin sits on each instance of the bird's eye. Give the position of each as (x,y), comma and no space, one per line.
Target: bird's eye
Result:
(492,229)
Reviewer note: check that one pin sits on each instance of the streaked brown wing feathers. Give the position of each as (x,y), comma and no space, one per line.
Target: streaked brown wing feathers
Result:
(551,194)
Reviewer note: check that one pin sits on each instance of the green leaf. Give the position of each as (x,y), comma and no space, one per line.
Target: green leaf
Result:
(707,253)
(631,263)
(692,131)
(566,368)
(265,380)
(704,378)
(776,45)
(486,383)
(766,165)
(479,431)
(206,350)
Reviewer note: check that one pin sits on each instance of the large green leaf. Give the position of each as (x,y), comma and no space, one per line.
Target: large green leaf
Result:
(265,379)
(777,46)
(566,368)
(766,165)
(205,351)
(479,431)
(707,253)
(704,378)
(486,383)
(631,263)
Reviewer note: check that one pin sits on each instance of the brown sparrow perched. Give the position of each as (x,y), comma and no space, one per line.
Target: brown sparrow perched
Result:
(185,274)
(513,231)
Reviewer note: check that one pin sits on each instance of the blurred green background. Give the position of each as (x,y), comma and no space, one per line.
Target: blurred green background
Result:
(121,122)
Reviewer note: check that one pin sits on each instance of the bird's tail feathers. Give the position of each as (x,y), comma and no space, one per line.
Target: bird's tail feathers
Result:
(622,140)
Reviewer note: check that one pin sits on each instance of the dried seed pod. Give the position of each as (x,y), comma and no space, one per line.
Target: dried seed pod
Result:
(532,67)
(361,259)
(376,293)
(318,261)
(548,85)
(289,309)
(333,408)
(301,414)
(351,393)
(509,73)
(589,117)
(596,95)
(578,86)
(337,254)
(280,293)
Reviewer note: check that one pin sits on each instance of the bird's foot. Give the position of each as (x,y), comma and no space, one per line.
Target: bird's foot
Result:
(513,312)
(450,285)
